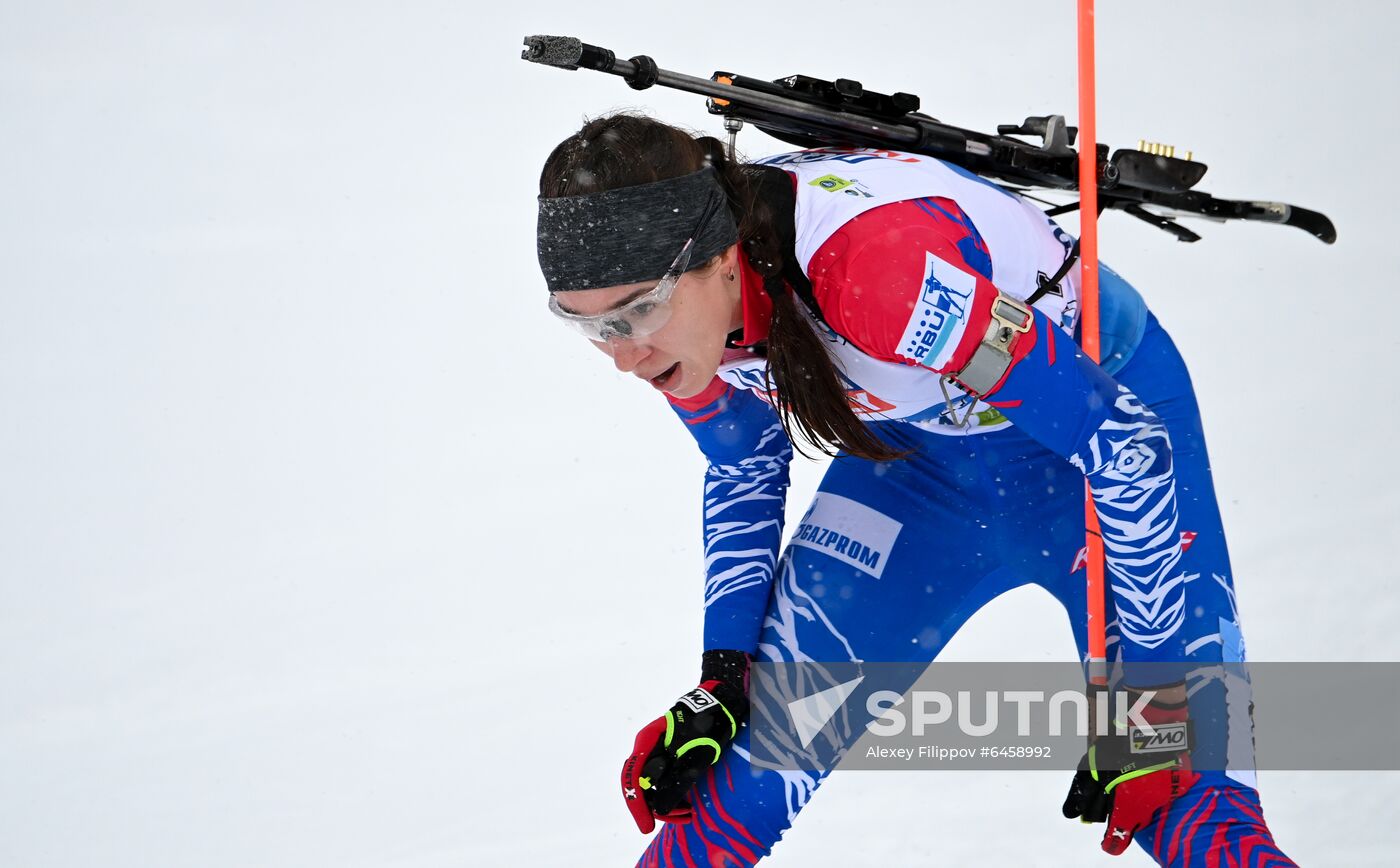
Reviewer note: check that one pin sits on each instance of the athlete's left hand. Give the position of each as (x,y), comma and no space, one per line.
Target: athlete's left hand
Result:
(672,751)
(1126,779)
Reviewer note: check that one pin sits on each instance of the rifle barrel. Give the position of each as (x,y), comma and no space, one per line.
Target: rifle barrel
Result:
(548,54)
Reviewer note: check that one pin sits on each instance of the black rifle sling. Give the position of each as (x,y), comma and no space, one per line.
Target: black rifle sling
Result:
(1052,283)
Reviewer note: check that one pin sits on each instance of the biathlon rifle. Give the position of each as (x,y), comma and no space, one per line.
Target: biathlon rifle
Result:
(1150,182)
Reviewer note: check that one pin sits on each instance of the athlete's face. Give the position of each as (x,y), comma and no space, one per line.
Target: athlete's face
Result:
(681,357)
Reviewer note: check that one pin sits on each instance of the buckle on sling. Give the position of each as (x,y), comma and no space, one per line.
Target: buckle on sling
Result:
(1012,314)
(992,358)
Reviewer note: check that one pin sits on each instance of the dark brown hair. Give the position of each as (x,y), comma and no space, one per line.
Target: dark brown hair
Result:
(623,150)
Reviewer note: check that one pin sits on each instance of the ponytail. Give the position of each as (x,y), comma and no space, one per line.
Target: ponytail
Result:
(806,386)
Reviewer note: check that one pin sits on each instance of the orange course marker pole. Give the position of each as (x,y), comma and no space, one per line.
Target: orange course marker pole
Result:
(1089,324)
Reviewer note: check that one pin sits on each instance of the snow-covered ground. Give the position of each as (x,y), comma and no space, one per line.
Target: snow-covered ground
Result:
(320,544)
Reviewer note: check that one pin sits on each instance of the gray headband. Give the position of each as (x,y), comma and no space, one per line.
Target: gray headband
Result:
(631,234)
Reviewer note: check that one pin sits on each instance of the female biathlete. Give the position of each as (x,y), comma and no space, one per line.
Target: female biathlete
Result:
(915,319)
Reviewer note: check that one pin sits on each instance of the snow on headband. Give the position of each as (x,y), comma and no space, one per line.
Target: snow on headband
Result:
(631,234)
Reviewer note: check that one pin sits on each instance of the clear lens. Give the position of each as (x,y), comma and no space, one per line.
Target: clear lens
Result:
(639,318)
(647,314)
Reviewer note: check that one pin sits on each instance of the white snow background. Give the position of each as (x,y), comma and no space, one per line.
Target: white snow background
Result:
(322,545)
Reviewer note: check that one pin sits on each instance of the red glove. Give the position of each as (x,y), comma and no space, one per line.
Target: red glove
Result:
(673,751)
(1126,779)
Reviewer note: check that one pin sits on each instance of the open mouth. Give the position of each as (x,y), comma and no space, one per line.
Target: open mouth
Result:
(666,378)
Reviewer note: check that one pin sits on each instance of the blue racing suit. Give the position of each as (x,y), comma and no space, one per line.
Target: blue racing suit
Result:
(892,558)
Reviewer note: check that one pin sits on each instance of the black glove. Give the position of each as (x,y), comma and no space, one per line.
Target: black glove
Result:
(1126,779)
(672,751)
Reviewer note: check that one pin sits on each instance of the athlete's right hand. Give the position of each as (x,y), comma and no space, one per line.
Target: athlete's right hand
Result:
(671,752)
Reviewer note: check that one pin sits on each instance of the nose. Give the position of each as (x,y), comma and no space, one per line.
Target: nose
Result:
(627,353)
